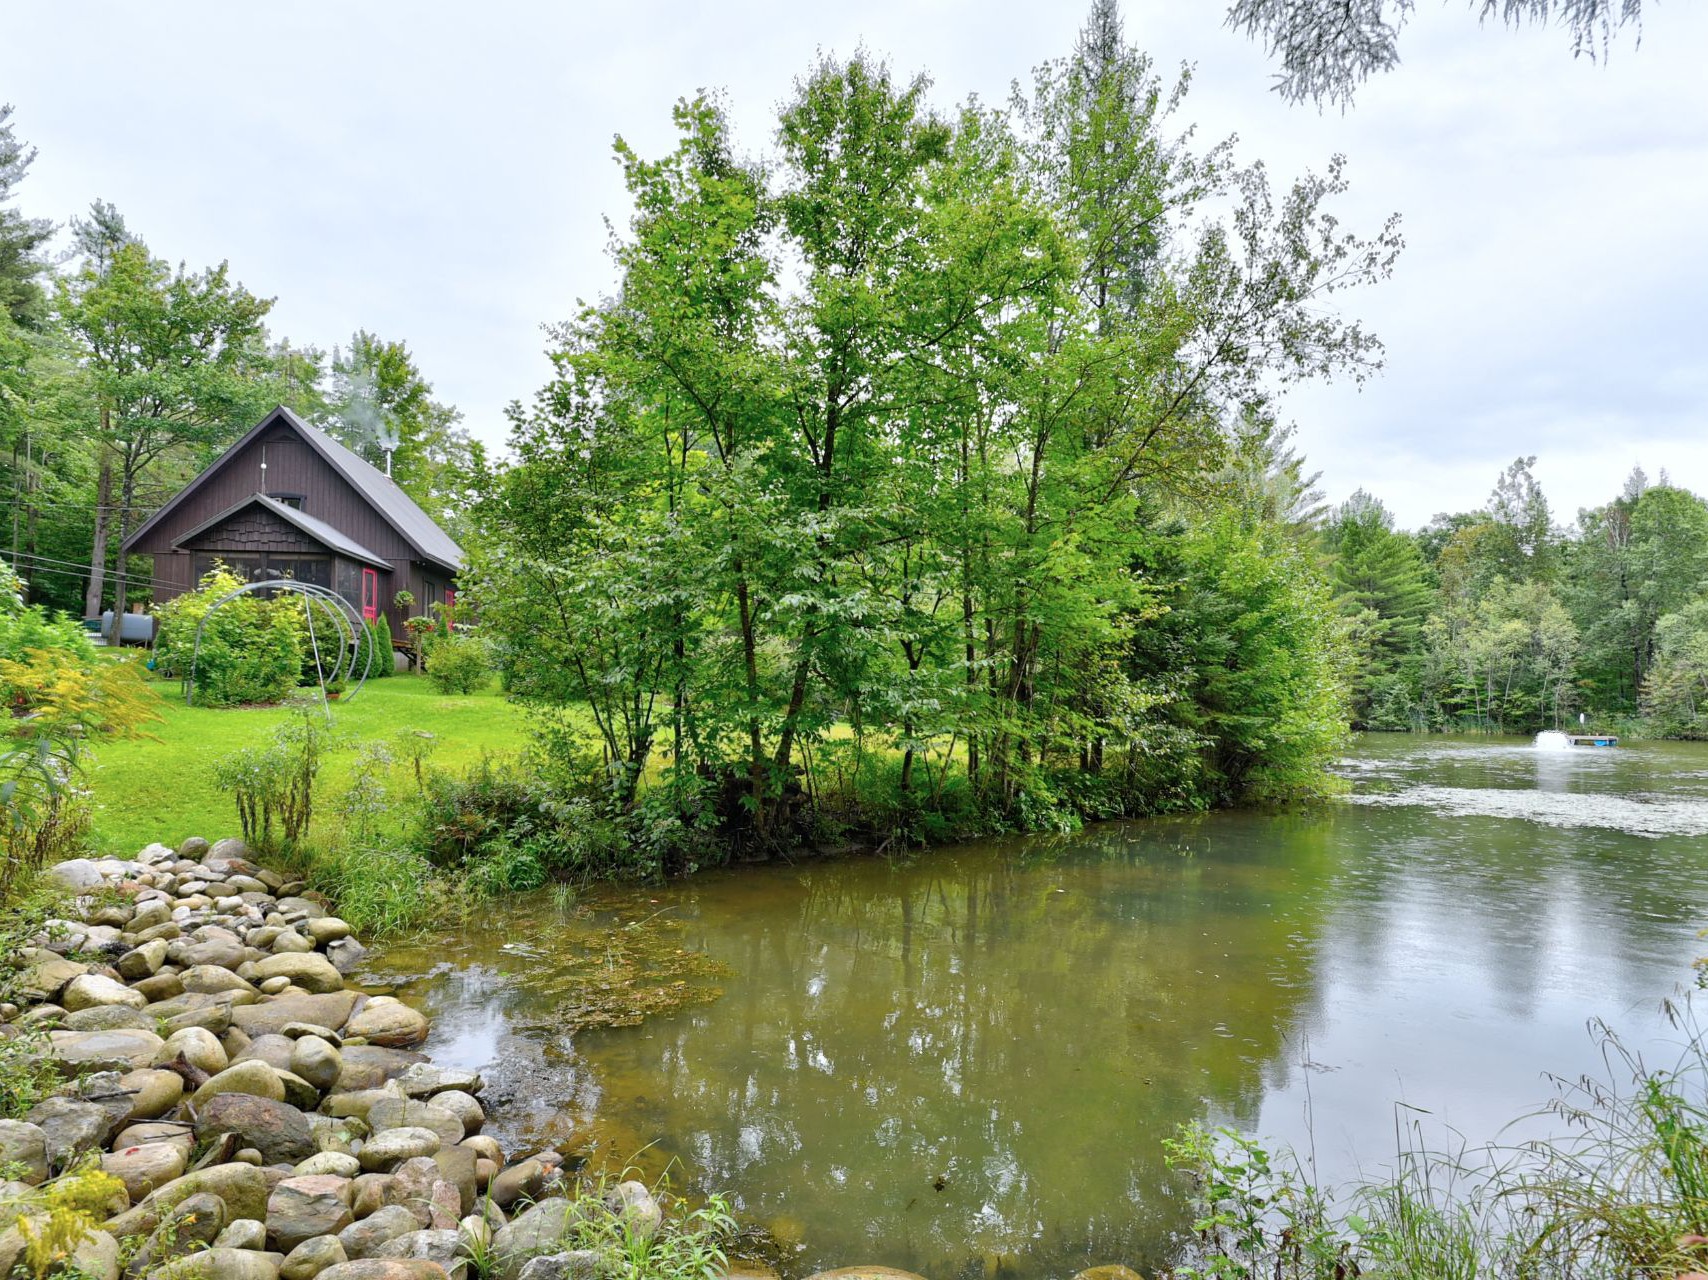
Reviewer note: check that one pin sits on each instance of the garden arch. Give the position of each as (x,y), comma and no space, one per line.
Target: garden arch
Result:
(347,629)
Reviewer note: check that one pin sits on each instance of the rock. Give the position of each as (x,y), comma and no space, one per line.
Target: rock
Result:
(457,1167)
(24,1145)
(445,1206)
(358,1103)
(397,1113)
(412,1184)
(210,979)
(299,1092)
(47,976)
(195,847)
(316,1061)
(367,1066)
(162,986)
(93,989)
(223,853)
(78,1052)
(70,1128)
(142,962)
(363,1238)
(865,1273)
(346,955)
(443,1246)
(253,1077)
(337,1163)
(290,942)
(297,1030)
(311,1257)
(304,1207)
(79,875)
(385,1269)
(147,915)
(372,1190)
(537,1231)
(108,1017)
(194,1224)
(241,1188)
(633,1205)
(1112,1271)
(225,1264)
(271,1048)
(326,929)
(197,1046)
(222,951)
(312,972)
(274,986)
(330,1010)
(522,1180)
(153,1093)
(464,1107)
(573,1264)
(148,1132)
(392,1147)
(144,1168)
(389,1022)
(279,1131)
(245,1233)
(424,1080)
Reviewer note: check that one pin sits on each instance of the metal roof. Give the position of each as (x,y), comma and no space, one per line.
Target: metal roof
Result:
(319,530)
(395,506)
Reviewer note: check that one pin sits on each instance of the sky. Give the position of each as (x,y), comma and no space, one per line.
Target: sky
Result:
(442,173)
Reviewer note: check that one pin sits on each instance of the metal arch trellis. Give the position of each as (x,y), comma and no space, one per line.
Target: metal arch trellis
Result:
(347,625)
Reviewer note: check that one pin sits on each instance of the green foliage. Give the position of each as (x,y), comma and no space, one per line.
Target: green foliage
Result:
(1381,584)
(375,654)
(1675,695)
(252,650)
(459,663)
(273,784)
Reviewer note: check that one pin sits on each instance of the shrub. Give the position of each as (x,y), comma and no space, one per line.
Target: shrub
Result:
(251,651)
(458,663)
(376,645)
(275,782)
(30,629)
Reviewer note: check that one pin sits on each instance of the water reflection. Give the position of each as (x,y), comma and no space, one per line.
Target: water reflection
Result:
(968,1064)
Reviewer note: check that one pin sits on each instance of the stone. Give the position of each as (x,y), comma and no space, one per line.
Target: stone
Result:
(144,1168)
(221,952)
(195,847)
(523,1180)
(274,986)
(311,1257)
(457,1166)
(70,1128)
(301,1208)
(279,1131)
(424,1080)
(865,1273)
(339,1163)
(148,914)
(537,1231)
(389,1022)
(412,1184)
(241,1188)
(194,1224)
(225,1264)
(633,1205)
(316,1061)
(371,1191)
(252,1077)
(385,1269)
(162,986)
(79,875)
(367,1066)
(147,1132)
(197,1046)
(24,1145)
(572,1264)
(358,1103)
(93,989)
(78,1052)
(245,1233)
(484,1147)
(223,853)
(301,908)
(311,971)
(442,1246)
(392,1147)
(445,1206)
(464,1107)
(364,1237)
(397,1113)
(153,1093)
(271,1048)
(346,955)
(210,979)
(326,929)
(1110,1271)
(299,1092)
(330,1010)
(108,1017)
(47,976)
(142,962)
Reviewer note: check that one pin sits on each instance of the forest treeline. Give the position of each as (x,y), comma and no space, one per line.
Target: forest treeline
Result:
(923,469)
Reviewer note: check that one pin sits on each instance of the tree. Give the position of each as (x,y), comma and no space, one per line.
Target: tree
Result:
(1327,48)
(173,359)
(1379,580)
(22,300)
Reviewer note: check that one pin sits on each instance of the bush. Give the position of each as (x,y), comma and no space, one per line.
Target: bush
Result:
(252,650)
(458,663)
(376,649)
(275,783)
(30,629)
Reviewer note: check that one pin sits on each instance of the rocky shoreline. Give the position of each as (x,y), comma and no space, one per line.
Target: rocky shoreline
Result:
(262,1118)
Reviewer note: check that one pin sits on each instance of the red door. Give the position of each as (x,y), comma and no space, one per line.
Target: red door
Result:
(370,594)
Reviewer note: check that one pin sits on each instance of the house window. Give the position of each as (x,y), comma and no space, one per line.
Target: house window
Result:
(292,500)
(370,594)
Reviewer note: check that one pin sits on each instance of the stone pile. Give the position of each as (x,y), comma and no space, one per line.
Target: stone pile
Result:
(266,1119)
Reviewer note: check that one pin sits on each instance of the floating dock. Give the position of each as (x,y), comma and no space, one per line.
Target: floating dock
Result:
(1594,739)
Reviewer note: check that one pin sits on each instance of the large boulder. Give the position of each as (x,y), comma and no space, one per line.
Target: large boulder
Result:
(23,1147)
(79,1052)
(540,1230)
(273,1015)
(309,970)
(390,1148)
(79,875)
(152,1093)
(70,1127)
(389,1022)
(252,1077)
(279,1131)
(398,1113)
(47,975)
(311,1257)
(197,1046)
(242,1188)
(225,1264)
(92,989)
(145,1168)
(305,1207)
(363,1238)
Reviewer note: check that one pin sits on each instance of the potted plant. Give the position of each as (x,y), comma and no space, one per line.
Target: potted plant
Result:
(334,688)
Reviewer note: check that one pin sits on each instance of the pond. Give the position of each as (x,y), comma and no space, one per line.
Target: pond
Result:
(966,1064)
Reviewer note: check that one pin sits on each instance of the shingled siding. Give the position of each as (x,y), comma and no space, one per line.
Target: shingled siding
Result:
(254,531)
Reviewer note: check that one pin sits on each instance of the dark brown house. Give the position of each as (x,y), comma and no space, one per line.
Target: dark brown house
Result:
(290,501)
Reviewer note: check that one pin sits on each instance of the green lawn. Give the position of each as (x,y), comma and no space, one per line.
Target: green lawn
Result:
(164,790)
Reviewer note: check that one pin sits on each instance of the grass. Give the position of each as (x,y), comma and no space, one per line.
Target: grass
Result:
(163,789)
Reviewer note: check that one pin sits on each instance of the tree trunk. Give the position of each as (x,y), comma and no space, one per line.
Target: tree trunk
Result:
(103,517)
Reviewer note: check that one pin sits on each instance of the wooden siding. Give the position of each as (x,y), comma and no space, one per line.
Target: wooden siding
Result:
(254,530)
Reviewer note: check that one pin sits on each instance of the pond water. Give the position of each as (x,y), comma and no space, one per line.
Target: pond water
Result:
(966,1064)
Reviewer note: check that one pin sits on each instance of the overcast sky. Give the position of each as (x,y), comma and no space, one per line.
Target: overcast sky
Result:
(439,173)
